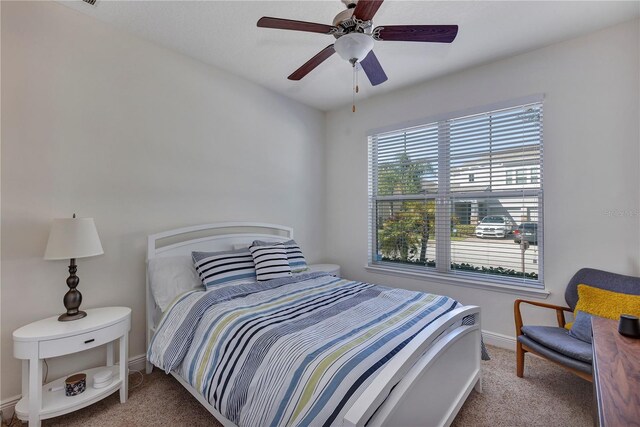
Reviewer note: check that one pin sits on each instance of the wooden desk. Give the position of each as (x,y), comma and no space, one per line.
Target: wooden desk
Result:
(616,375)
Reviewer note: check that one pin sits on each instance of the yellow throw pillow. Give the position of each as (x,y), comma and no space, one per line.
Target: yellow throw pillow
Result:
(608,304)
(568,325)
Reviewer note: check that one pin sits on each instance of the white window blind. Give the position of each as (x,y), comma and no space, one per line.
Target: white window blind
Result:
(461,196)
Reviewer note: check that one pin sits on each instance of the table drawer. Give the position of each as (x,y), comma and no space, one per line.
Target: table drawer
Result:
(73,344)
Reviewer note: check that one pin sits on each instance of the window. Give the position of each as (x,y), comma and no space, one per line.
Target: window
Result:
(535,173)
(430,214)
(509,179)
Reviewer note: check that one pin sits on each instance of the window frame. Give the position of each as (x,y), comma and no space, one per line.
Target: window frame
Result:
(445,202)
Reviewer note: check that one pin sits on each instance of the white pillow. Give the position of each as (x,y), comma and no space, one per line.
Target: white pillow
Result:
(170,277)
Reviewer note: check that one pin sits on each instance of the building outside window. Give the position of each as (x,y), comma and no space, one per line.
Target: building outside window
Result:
(448,197)
(509,175)
(535,175)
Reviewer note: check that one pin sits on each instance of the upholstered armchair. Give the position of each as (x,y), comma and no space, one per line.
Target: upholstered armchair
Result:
(554,343)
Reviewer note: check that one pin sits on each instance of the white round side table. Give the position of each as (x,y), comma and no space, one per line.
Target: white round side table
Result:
(51,338)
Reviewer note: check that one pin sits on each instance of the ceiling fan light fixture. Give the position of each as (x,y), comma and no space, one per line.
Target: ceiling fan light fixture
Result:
(355,35)
(354,47)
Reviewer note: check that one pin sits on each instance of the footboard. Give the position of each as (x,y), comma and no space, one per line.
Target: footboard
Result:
(427,382)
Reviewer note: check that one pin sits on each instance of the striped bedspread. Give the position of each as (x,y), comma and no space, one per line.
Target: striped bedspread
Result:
(293,351)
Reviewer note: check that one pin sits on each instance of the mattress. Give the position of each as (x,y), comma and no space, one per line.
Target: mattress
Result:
(293,351)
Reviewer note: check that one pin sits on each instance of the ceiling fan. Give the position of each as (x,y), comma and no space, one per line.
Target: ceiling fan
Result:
(355,34)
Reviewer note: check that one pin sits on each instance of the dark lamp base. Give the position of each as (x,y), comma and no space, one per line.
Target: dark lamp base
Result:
(73,298)
(66,317)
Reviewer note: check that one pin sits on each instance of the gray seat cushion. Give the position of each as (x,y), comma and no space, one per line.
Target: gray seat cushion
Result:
(559,340)
(555,356)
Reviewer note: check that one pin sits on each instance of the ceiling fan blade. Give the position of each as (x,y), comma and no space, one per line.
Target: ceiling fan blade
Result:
(365,9)
(312,63)
(417,33)
(373,69)
(289,24)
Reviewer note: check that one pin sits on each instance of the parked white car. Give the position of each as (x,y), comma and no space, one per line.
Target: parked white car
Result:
(495,226)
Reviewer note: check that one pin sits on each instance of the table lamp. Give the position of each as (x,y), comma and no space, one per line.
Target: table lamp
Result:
(72,238)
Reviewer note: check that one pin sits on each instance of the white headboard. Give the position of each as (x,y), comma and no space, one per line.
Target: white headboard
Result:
(207,238)
(219,236)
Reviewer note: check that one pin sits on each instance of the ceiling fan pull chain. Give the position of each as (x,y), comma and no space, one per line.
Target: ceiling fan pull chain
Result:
(355,87)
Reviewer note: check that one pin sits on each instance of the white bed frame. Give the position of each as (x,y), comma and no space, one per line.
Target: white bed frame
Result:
(425,384)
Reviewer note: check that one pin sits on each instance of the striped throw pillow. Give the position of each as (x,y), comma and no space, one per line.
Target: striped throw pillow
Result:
(270,261)
(297,262)
(227,268)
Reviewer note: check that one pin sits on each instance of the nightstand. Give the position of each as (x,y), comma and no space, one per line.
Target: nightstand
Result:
(332,269)
(50,338)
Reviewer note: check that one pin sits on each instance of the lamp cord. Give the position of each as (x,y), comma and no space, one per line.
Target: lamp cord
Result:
(141,378)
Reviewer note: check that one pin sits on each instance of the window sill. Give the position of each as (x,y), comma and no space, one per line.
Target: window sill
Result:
(458,281)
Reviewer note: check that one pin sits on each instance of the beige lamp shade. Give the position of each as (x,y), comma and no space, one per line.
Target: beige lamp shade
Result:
(73,238)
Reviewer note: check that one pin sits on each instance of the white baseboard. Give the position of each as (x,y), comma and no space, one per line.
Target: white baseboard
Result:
(136,363)
(499,340)
(7,405)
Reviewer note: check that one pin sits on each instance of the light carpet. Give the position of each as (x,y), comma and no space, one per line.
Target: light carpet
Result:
(547,395)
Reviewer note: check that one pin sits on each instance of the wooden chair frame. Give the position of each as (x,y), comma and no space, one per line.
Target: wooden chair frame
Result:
(521,349)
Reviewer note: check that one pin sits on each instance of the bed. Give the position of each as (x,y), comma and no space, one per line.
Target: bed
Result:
(424,382)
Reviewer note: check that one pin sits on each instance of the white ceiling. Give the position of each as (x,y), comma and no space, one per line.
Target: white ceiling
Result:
(224,34)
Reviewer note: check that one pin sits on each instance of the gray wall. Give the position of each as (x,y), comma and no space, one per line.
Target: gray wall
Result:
(591,161)
(143,139)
